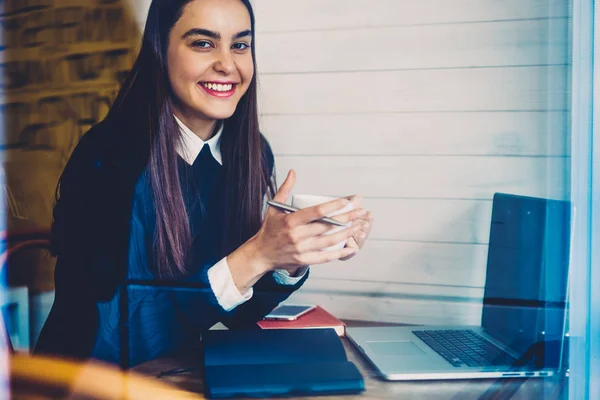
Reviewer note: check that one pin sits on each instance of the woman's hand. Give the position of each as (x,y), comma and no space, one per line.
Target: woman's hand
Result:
(357,241)
(292,240)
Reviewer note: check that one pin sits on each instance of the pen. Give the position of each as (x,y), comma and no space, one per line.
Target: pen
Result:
(286,207)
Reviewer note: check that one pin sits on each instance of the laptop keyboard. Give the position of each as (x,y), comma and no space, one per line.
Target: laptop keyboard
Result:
(465,348)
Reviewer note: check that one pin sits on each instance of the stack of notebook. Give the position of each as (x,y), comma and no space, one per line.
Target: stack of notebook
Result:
(314,319)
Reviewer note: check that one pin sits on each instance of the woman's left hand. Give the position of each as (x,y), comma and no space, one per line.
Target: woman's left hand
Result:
(358,240)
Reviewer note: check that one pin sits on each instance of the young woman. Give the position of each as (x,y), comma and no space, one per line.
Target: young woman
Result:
(171,187)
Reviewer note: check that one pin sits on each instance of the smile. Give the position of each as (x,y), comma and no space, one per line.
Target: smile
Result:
(219,89)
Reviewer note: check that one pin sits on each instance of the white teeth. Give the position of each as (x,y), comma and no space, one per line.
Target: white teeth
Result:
(218,87)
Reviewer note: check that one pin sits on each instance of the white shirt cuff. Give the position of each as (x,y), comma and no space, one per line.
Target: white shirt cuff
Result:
(221,283)
(283,277)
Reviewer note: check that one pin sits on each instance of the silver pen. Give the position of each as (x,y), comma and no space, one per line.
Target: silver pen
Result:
(289,208)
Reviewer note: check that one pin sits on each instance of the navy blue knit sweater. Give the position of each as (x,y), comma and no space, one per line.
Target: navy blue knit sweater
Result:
(103,234)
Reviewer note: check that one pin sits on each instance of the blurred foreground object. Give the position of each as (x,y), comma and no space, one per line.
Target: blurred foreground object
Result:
(34,377)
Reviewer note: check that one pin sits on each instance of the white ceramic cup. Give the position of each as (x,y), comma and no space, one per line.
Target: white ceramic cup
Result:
(309,200)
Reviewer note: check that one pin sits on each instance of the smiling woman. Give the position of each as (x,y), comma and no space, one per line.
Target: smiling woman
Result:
(210,67)
(168,191)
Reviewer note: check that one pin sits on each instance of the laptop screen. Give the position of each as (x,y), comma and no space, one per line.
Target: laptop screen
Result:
(526,282)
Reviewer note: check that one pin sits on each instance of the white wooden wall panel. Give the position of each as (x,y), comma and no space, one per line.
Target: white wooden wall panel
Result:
(426,108)
(417,263)
(431,220)
(487,89)
(481,133)
(393,289)
(414,47)
(453,177)
(304,15)
(392,303)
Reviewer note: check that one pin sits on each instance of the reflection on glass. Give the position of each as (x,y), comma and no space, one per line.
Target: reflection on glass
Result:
(526,283)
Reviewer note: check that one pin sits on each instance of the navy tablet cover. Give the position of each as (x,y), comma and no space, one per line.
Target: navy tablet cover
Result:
(279,362)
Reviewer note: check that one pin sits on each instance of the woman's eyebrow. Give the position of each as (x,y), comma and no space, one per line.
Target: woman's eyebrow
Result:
(242,34)
(201,32)
(213,34)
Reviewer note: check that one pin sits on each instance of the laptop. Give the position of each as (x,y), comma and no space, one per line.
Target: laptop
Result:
(523,322)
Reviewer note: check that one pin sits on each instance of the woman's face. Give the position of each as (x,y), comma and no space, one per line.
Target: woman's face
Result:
(209,58)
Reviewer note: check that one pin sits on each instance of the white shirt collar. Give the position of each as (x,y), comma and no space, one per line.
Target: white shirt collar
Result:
(191,145)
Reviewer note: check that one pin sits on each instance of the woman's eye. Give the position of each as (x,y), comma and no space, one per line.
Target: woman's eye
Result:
(241,46)
(202,44)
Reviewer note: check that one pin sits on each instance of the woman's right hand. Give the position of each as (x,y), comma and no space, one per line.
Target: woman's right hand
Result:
(296,239)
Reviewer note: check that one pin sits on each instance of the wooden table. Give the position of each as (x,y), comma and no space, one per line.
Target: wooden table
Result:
(376,388)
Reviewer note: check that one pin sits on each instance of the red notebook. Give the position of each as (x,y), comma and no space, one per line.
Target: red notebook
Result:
(317,318)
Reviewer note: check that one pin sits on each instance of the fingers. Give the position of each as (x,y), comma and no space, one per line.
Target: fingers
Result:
(310,214)
(318,228)
(366,221)
(286,187)
(360,238)
(311,230)
(322,242)
(351,216)
(364,224)
(351,243)
(356,199)
(365,229)
(322,257)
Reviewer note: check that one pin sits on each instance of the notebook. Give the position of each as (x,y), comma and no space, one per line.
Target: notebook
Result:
(315,319)
(277,362)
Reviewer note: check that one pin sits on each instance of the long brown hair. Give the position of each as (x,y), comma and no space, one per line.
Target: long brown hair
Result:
(146,94)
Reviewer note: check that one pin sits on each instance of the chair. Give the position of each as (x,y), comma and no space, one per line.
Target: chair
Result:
(15,300)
